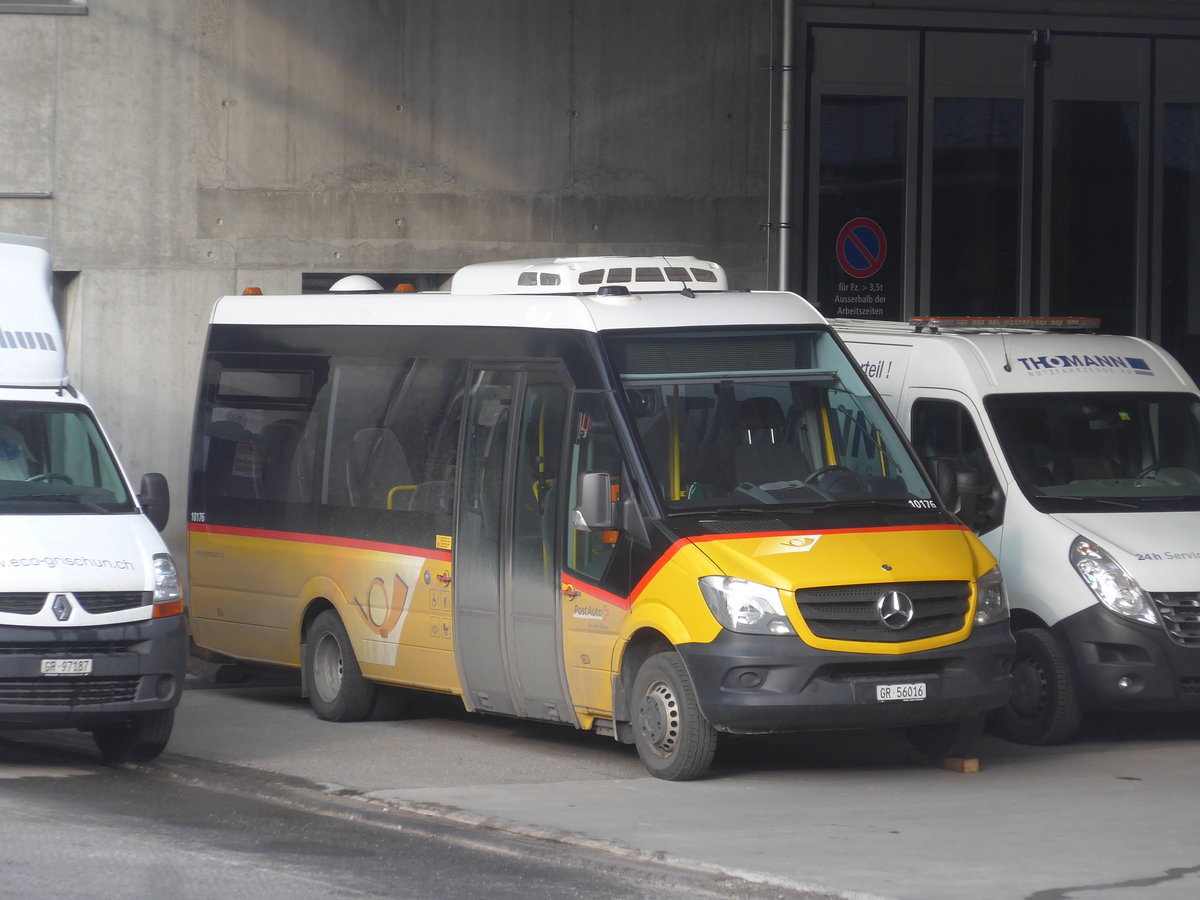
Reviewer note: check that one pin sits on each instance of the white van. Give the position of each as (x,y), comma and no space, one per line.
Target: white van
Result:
(1076,458)
(91,631)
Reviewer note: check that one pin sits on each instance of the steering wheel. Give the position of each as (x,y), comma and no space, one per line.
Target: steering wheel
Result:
(1148,471)
(825,470)
(51,476)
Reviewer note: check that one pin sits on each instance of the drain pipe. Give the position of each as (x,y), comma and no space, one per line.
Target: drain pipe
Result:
(785,146)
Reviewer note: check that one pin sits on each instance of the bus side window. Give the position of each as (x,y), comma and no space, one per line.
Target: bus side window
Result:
(254,423)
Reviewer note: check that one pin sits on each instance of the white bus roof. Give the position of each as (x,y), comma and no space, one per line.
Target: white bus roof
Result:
(576,313)
(494,299)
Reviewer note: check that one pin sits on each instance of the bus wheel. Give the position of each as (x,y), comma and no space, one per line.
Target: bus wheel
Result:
(672,736)
(1044,708)
(137,739)
(945,740)
(338,691)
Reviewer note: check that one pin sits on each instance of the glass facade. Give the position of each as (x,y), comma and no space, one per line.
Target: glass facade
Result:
(1003,170)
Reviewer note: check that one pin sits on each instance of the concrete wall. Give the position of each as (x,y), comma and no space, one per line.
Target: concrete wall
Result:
(176,150)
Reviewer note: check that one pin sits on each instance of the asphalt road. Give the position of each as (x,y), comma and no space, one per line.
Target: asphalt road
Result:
(852,815)
(71,827)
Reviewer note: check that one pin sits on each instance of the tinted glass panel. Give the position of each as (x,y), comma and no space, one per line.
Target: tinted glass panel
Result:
(1093,219)
(861,253)
(975,261)
(1181,233)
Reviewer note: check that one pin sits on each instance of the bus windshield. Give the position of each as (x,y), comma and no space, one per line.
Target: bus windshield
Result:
(53,461)
(744,418)
(1102,451)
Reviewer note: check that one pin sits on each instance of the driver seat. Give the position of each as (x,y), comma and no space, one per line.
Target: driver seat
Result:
(765,457)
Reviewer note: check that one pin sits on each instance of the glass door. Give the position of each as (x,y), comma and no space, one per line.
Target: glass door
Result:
(976,162)
(861,206)
(506,557)
(1095,164)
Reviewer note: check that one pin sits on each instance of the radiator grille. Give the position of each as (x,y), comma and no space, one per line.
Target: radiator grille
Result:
(94,602)
(60,648)
(112,601)
(1180,615)
(22,604)
(66,691)
(851,613)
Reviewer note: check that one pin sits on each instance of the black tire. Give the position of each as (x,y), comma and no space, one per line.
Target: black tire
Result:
(337,690)
(137,739)
(947,740)
(672,736)
(1044,708)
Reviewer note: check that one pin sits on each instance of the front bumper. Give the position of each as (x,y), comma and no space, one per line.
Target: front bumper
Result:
(759,683)
(1129,666)
(136,667)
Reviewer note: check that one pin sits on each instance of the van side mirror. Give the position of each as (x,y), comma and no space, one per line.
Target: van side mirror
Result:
(945,479)
(155,499)
(595,509)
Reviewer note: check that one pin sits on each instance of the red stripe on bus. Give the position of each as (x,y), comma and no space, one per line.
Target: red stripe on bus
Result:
(323,539)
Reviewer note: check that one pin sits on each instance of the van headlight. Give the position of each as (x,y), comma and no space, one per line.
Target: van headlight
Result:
(745,606)
(168,598)
(1112,585)
(992,603)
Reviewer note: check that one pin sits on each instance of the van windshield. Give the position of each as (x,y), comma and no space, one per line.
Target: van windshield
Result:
(53,461)
(743,418)
(1114,451)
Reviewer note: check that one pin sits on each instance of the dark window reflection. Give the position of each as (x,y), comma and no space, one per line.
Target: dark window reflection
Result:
(1093,217)
(1181,220)
(976,234)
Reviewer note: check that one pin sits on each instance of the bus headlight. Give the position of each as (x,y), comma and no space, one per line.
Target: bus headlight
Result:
(744,606)
(1112,585)
(992,603)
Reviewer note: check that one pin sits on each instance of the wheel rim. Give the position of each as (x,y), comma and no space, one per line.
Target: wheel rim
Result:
(1029,688)
(658,719)
(327,668)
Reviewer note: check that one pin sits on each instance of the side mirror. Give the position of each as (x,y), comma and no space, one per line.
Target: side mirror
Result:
(595,510)
(155,499)
(945,479)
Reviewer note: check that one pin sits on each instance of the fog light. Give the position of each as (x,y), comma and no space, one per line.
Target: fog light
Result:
(165,687)
(1129,684)
(750,678)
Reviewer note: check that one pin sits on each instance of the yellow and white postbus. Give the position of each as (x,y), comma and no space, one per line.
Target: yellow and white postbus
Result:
(605,492)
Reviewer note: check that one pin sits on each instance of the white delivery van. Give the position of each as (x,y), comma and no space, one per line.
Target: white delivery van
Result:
(1076,458)
(91,631)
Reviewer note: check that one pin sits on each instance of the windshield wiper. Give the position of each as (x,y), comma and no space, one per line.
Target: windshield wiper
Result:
(74,498)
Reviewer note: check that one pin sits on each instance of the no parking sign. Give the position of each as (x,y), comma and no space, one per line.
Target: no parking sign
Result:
(861,247)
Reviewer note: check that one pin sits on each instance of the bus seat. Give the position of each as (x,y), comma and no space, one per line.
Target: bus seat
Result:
(278,440)
(376,464)
(233,461)
(765,457)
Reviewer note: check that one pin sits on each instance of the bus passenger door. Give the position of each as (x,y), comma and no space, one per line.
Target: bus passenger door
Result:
(506,595)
